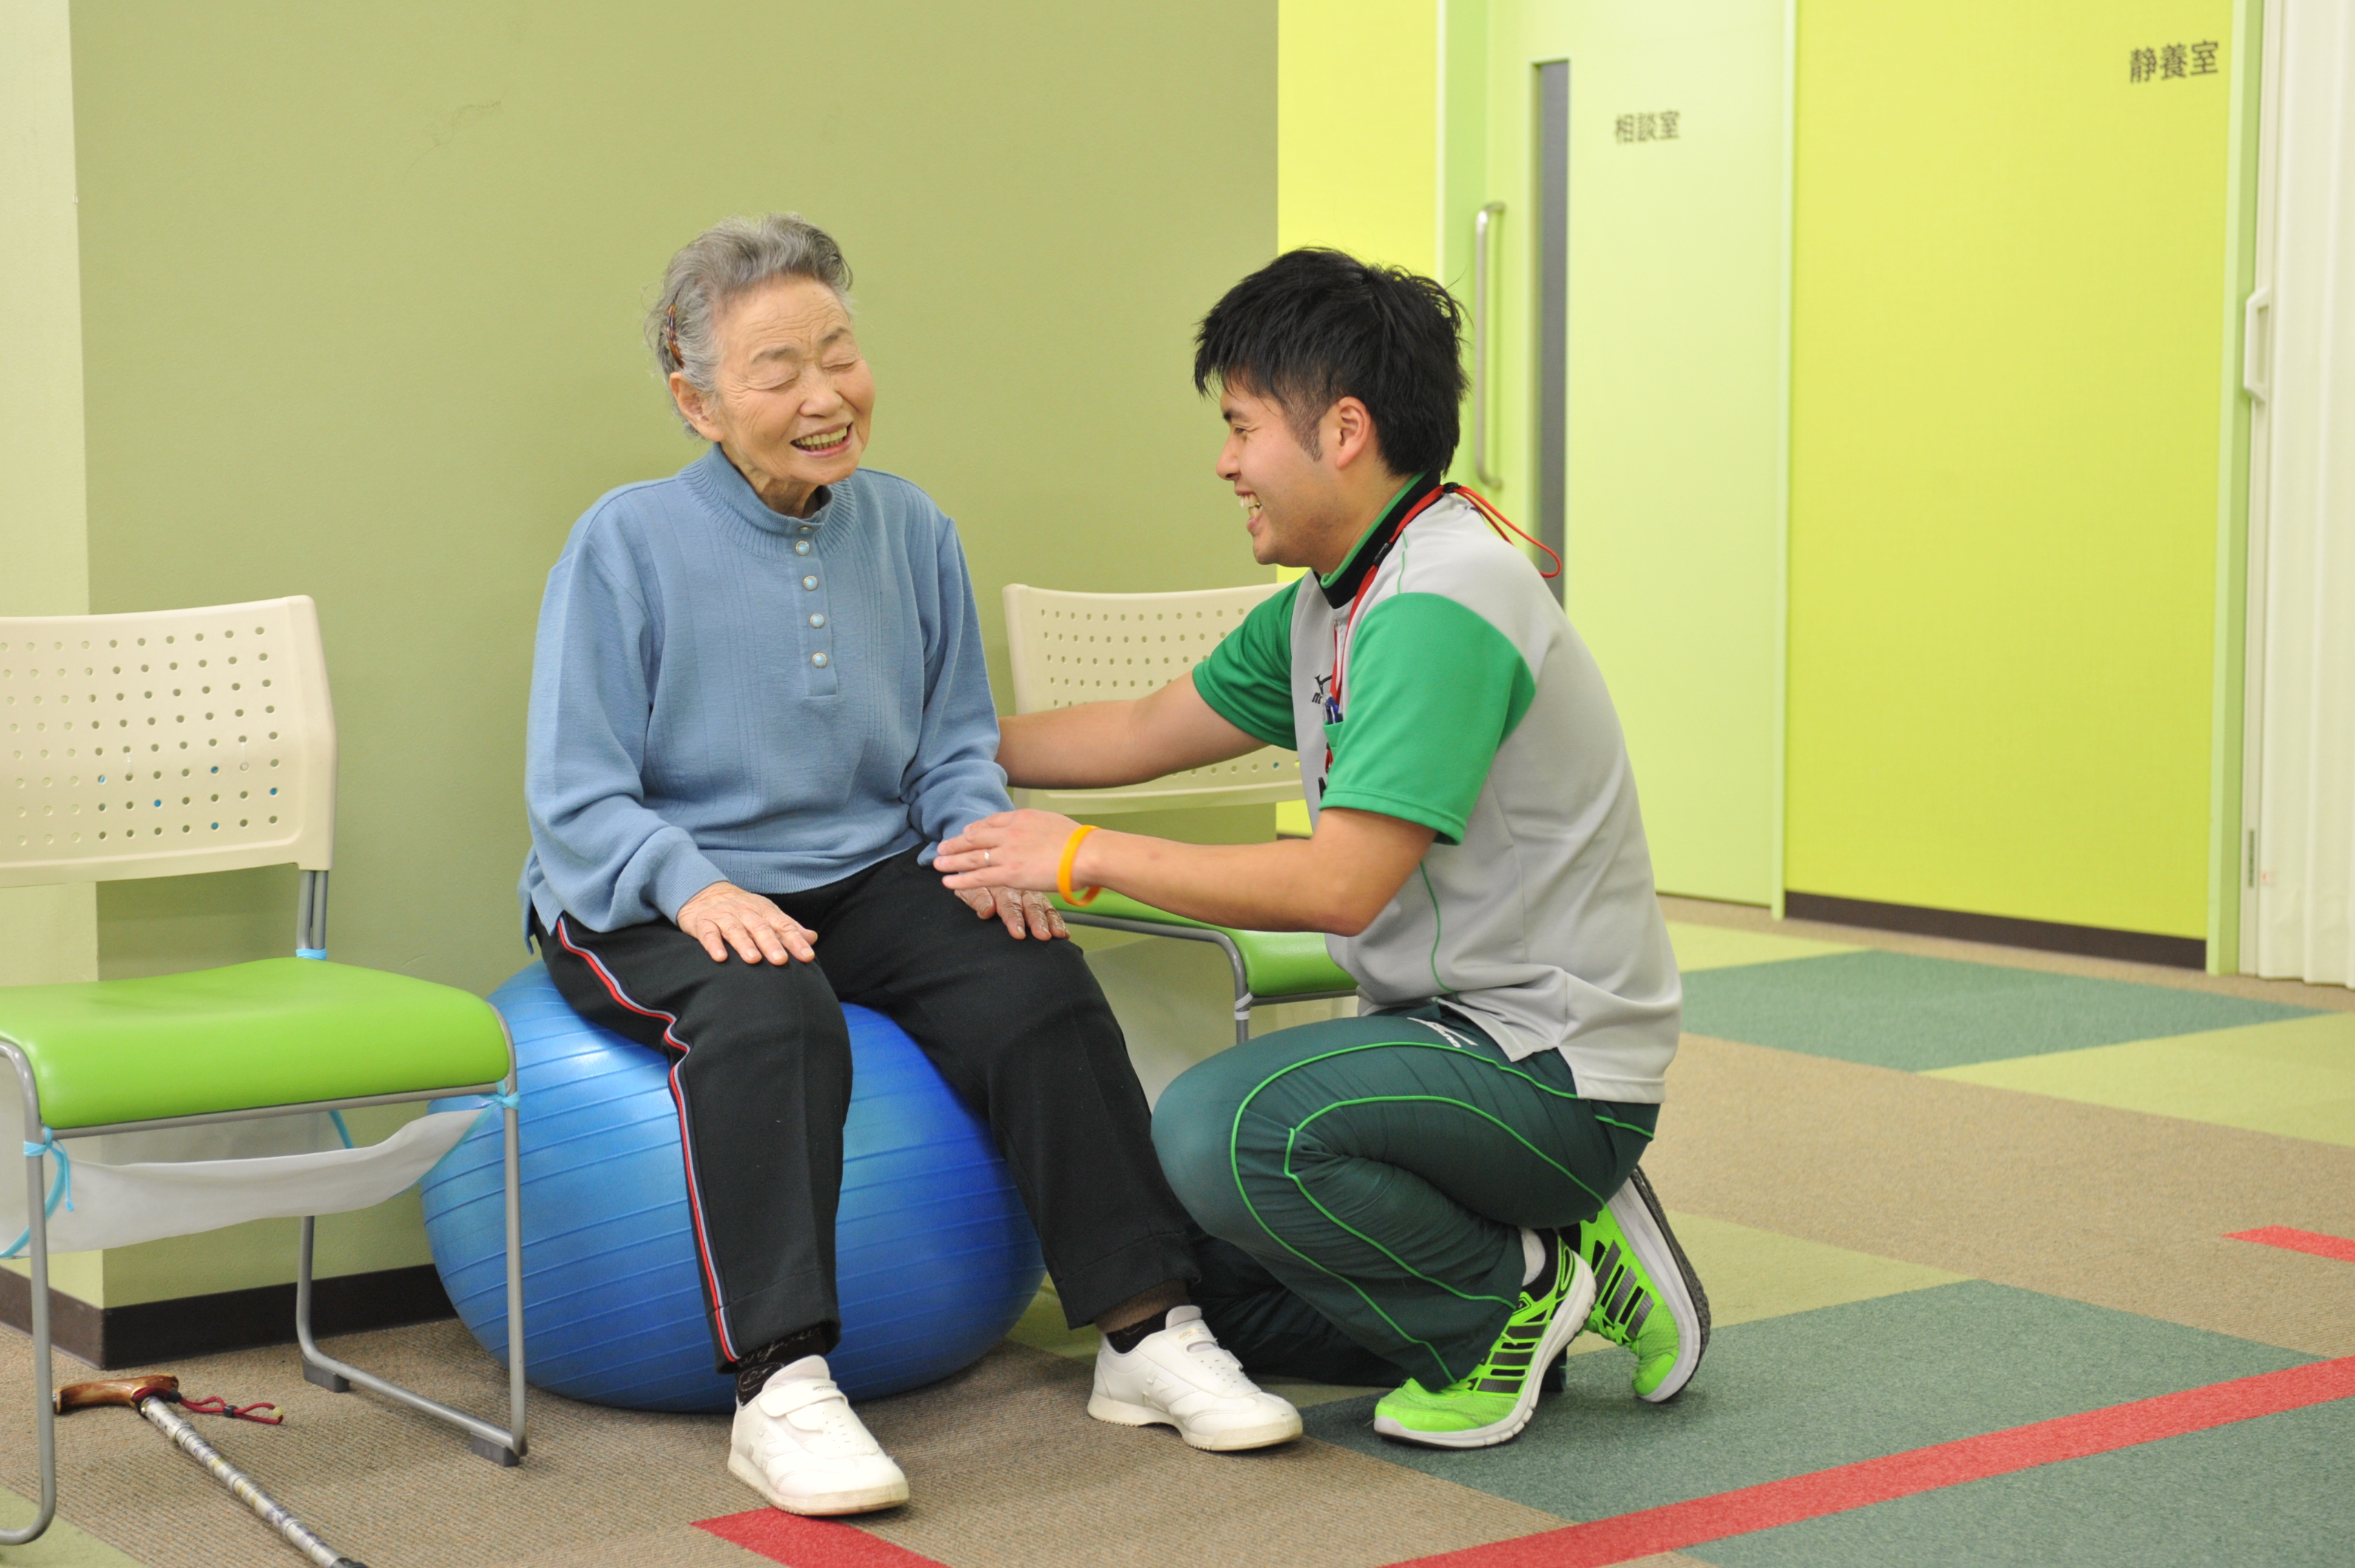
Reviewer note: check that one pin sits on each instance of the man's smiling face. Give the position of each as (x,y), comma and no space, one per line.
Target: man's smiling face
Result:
(1288,496)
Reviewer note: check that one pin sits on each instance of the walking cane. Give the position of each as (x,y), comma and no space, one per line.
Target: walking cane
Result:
(153,1397)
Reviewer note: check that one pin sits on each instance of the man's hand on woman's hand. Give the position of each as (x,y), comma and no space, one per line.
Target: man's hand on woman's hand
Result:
(1018,909)
(981,867)
(724,915)
(1011,850)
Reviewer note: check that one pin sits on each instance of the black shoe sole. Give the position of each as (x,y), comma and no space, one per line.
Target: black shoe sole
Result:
(1692,1278)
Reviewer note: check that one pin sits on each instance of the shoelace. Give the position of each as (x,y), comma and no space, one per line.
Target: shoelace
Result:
(1509,1363)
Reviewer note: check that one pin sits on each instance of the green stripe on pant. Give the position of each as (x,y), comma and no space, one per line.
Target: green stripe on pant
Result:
(1376,1173)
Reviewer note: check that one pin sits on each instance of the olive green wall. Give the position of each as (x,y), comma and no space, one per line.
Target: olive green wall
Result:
(360,290)
(47,934)
(359,297)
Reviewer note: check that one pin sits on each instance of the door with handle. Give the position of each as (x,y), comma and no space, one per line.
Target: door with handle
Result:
(1617,200)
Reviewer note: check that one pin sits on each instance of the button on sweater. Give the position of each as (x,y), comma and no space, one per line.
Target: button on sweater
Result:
(720,692)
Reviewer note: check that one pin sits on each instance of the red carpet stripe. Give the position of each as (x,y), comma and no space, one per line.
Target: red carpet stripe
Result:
(2313,1242)
(782,1536)
(1679,1525)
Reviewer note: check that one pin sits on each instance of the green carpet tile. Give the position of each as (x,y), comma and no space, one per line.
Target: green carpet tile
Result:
(63,1545)
(1895,1009)
(2275,1492)
(1783,1396)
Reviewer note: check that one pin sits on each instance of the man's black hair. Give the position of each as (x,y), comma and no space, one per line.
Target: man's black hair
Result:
(1316,326)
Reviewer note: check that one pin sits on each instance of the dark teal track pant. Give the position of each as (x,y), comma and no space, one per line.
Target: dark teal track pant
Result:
(1364,1182)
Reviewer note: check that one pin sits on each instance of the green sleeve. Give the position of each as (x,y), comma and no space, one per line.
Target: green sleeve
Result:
(1431,691)
(1247,679)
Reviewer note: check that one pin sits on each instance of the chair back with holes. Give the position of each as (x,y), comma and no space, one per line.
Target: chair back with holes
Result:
(164,743)
(1067,648)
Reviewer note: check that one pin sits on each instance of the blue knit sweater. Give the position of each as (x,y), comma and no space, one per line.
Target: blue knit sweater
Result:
(720,692)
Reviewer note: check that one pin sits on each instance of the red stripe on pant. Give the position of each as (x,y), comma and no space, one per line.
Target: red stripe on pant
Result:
(685,1144)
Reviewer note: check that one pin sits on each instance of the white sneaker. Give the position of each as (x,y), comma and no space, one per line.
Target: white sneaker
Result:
(1178,1376)
(799,1446)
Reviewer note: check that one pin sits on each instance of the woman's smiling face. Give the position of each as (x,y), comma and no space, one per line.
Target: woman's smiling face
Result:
(793,398)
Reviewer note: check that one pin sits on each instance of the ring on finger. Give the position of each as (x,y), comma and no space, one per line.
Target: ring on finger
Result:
(985,859)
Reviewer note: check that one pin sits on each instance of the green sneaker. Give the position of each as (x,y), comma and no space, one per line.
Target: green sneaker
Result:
(1495,1400)
(1647,1296)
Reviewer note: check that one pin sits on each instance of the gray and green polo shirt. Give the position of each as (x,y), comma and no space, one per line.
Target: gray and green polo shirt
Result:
(1457,695)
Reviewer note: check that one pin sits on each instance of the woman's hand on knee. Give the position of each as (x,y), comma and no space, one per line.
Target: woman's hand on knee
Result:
(1025,914)
(724,917)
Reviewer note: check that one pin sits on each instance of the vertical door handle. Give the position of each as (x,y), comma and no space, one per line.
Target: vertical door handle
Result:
(2258,344)
(1483,323)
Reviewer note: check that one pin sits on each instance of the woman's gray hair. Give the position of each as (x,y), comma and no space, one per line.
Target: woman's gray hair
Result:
(732,256)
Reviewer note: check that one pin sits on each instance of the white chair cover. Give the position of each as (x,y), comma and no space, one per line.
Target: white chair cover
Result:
(285,1167)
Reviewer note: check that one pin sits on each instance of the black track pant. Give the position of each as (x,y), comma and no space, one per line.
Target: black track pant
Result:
(761,1071)
(1367,1180)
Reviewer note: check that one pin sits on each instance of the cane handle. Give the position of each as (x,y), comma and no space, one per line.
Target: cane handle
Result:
(116,1391)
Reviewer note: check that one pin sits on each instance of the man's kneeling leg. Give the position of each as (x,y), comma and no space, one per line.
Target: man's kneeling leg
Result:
(1389,1173)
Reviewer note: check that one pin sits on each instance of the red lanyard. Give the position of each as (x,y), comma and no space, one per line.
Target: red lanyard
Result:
(1498,522)
(1343,633)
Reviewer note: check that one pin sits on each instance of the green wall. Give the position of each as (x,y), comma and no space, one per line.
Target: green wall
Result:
(2226,833)
(1375,194)
(47,934)
(1675,438)
(360,295)
(2017,466)
(2007,334)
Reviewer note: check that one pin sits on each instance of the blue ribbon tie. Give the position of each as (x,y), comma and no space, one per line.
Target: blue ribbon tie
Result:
(60,1190)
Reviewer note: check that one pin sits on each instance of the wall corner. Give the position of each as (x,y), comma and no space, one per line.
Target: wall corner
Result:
(46,933)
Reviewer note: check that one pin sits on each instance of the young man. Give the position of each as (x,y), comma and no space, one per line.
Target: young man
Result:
(1446,1187)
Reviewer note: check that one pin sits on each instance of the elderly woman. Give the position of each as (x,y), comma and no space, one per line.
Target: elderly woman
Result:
(758,706)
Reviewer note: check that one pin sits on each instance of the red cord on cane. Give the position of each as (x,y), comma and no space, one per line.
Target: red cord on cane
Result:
(216,1405)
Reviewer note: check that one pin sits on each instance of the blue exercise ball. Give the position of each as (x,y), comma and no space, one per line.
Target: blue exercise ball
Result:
(935,1258)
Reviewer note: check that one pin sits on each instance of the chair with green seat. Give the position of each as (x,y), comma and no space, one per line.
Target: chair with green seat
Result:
(190,740)
(1067,648)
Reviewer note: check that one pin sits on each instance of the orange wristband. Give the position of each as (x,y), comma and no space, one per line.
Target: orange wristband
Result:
(1063,871)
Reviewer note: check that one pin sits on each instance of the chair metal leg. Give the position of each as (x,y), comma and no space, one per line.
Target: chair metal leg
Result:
(515,1275)
(44,1418)
(501,1446)
(1244,999)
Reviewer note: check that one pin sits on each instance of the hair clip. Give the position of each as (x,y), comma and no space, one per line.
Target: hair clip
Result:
(670,336)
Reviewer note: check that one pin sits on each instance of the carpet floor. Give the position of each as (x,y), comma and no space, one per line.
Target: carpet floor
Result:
(1947,1197)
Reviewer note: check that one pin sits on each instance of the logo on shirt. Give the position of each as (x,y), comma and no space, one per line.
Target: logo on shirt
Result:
(1332,710)
(1325,699)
